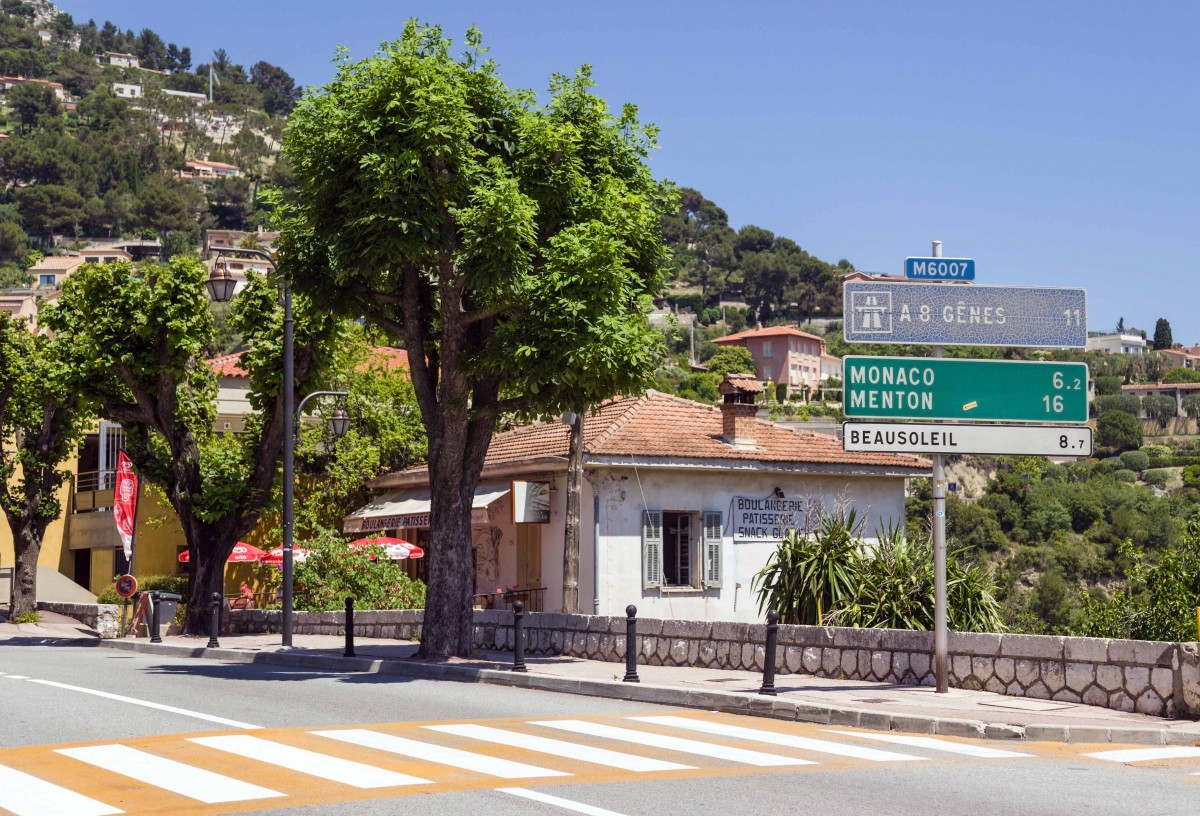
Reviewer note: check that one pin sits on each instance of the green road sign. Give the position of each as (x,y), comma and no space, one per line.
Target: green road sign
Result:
(986,390)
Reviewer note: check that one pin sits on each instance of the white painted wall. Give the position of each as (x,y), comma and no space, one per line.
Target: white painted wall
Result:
(626,493)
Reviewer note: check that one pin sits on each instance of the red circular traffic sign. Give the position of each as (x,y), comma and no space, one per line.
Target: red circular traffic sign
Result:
(126,586)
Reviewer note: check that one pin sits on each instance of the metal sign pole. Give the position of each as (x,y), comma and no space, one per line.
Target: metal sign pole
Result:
(939,552)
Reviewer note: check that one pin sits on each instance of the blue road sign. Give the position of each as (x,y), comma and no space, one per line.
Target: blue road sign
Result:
(895,311)
(939,268)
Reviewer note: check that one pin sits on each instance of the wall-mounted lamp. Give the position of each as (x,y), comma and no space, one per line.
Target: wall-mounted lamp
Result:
(778,493)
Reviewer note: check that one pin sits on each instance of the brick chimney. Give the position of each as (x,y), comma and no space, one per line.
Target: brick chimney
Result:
(738,410)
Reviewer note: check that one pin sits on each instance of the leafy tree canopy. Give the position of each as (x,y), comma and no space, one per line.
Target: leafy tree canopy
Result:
(513,246)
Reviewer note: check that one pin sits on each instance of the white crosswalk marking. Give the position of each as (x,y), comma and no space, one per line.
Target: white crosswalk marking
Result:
(934,744)
(570,750)
(312,763)
(480,763)
(686,746)
(176,777)
(565,804)
(27,795)
(1146,754)
(776,738)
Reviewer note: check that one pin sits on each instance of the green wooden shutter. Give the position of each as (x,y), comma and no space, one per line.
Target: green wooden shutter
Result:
(652,545)
(712,548)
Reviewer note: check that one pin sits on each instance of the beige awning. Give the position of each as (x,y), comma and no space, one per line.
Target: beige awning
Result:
(408,509)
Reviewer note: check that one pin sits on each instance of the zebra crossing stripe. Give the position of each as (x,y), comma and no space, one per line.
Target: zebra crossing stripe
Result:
(556,801)
(480,763)
(776,738)
(1146,754)
(570,750)
(27,795)
(934,744)
(686,746)
(322,766)
(176,777)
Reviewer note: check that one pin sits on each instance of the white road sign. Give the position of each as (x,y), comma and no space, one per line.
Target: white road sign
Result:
(950,438)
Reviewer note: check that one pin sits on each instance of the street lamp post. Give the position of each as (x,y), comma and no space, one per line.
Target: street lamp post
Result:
(221,285)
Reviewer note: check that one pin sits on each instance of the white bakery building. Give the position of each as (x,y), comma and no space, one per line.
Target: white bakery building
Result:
(682,504)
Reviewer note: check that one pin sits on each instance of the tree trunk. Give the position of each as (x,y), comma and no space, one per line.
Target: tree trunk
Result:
(571,540)
(27,544)
(447,630)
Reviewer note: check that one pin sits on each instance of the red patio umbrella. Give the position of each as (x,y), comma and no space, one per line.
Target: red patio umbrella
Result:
(275,556)
(397,548)
(241,552)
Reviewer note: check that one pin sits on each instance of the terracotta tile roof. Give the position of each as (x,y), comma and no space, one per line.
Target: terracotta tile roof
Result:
(744,382)
(1159,386)
(229,365)
(658,425)
(389,359)
(56,263)
(773,331)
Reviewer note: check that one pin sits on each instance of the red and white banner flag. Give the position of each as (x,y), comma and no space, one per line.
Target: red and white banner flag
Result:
(125,502)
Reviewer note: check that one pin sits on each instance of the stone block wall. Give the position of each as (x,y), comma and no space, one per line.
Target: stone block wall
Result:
(1162,679)
(101,617)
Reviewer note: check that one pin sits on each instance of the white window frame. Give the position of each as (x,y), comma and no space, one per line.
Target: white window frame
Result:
(766,348)
(703,554)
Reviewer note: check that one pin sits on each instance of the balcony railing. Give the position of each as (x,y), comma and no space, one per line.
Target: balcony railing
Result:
(532,598)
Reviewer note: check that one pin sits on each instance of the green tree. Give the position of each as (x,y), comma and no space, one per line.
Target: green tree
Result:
(143,333)
(48,208)
(1179,374)
(31,101)
(1162,334)
(732,360)
(165,205)
(279,91)
(330,574)
(385,435)
(43,408)
(1118,431)
(702,242)
(512,246)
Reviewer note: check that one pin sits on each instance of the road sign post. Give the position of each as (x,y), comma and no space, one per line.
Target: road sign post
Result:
(970,390)
(898,311)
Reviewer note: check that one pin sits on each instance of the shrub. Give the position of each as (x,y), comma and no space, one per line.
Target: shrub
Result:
(1118,431)
(1191,405)
(332,572)
(1108,386)
(1191,476)
(1159,407)
(1137,460)
(1125,476)
(781,392)
(1159,455)
(1117,402)
(1157,477)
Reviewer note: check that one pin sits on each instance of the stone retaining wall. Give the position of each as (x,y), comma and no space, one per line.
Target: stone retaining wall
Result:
(101,617)
(1162,679)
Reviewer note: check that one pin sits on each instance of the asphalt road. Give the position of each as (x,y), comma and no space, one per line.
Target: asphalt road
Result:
(93,731)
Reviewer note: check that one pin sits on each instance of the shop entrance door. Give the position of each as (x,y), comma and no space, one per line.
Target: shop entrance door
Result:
(529,556)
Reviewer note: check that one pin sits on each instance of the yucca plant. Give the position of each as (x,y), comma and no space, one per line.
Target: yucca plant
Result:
(813,571)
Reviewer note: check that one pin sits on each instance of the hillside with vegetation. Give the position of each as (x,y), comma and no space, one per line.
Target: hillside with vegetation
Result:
(92,165)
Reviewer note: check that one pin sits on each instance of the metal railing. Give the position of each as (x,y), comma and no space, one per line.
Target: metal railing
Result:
(532,598)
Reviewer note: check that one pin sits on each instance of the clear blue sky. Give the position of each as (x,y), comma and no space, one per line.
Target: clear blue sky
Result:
(1057,143)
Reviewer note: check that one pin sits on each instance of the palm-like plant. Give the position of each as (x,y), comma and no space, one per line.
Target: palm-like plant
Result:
(813,571)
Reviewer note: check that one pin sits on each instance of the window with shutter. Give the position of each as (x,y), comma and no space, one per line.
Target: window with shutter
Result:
(652,545)
(712,549)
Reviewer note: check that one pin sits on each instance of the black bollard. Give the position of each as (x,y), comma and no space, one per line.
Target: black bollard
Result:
(768,684)
(214,622)
(519,637)
(349,628)
(631,644)
(155,637)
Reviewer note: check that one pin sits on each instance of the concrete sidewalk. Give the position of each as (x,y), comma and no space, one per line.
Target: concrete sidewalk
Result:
(915,709)
(51,629)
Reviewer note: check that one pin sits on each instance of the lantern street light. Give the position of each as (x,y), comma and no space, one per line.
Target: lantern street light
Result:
(221,285)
